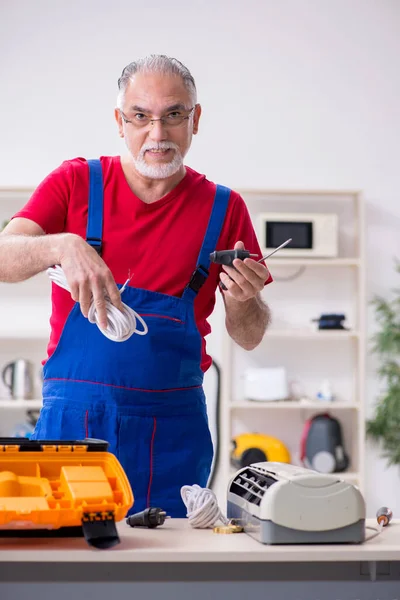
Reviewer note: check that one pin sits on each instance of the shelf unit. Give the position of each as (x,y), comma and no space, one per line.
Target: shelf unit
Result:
(294,340)
(315,262)
(312,334)
(24,322)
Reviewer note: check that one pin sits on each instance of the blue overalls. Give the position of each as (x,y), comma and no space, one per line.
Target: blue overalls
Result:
(145,395)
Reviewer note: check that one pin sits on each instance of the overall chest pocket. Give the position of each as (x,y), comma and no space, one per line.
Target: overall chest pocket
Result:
(153,361)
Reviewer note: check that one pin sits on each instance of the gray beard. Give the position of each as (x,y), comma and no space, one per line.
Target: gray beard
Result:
(158,171)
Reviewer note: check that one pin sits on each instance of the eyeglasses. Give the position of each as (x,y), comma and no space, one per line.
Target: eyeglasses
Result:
(172,119)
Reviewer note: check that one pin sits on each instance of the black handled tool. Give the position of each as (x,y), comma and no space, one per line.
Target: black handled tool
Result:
(226,257)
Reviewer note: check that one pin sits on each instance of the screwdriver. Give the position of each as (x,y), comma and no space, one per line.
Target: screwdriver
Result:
(226,257)
(276,250)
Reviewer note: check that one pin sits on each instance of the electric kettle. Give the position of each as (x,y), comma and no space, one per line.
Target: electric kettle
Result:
(18,377)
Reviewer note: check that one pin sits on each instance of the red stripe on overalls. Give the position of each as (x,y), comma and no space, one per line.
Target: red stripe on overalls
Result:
(87,424)
(151,461)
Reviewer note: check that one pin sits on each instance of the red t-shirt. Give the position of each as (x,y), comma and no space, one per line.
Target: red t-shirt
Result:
(158,243)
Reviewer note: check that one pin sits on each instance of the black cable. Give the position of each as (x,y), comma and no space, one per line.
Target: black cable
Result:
(217,421)
(299,272)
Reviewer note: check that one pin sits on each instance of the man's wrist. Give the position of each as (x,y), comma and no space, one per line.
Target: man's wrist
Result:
(58,245)
(245,306)
(237,310)
(247,321)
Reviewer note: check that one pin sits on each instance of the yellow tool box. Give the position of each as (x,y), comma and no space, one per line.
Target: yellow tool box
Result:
(62,488)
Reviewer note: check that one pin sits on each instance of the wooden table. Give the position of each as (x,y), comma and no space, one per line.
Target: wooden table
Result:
(177,552)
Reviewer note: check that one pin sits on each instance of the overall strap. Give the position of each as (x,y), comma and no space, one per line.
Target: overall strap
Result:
(215,223)
(94,230)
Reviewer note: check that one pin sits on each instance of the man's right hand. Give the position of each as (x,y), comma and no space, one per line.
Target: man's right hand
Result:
(26,250)
(88,276)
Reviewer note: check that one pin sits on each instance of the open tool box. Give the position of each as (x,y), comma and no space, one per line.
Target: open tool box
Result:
(62,488)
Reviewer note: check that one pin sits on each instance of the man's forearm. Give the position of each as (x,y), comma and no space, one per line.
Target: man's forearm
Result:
(246,322)
(23,256)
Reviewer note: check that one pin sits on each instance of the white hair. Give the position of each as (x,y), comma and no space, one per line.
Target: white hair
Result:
(155,63)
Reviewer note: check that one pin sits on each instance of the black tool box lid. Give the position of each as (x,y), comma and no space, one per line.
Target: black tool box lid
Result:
(27,445)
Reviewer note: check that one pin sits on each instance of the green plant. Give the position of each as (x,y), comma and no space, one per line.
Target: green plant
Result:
(385,425)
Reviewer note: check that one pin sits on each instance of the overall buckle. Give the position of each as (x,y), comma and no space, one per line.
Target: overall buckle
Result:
(96,244)
(198,278)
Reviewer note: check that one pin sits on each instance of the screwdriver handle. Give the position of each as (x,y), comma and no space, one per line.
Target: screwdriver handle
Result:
(226,257)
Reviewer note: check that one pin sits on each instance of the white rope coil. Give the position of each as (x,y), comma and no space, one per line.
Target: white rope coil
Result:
(202,507)
(120,324)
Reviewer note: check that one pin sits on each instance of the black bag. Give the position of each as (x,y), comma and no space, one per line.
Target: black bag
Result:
(322,445)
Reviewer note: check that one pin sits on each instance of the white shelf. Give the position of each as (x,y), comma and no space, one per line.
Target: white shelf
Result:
(299,193)
(33,334)
(309,334)
(40,279)
(7,193)
(18,404)
(293,405)
(313,262)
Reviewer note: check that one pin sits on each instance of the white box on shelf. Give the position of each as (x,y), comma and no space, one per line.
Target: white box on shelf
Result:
(266,384)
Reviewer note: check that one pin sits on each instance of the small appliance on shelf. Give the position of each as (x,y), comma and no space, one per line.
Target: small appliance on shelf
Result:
(331,321)
(314,235)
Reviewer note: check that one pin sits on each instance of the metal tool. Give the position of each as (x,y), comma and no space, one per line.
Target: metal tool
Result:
(384,516)
(226,257)
(276,250)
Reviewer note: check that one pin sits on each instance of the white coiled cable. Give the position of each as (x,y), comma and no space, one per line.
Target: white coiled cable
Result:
(121,324)
(202,507)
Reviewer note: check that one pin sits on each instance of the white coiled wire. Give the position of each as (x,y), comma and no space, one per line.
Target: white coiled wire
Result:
(202,507)
(121,324)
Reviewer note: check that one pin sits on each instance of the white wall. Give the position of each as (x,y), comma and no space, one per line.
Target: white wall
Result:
(295,93)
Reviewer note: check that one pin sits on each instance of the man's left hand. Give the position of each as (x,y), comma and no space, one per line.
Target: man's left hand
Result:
(246,280)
